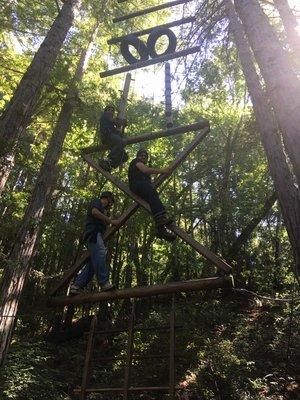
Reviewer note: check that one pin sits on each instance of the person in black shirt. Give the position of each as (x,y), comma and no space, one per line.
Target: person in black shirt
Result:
(111,135)
(95,226)
(140,183)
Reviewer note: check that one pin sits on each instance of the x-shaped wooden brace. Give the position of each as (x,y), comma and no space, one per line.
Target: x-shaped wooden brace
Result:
(221,264)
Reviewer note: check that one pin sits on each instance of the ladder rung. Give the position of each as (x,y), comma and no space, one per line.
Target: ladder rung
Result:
(130,389)
(136,329)
(135,356)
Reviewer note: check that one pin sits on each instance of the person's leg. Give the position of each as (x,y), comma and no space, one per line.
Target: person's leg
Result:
(117,154)
(98,256)
(147,192)
(85,276)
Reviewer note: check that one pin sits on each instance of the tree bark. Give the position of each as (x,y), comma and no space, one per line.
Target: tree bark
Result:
(16,117)
(283,85)
(290,25)
(287,192)
(18,267)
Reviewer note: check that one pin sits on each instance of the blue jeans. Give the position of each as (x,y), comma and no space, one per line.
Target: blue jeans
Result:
(117,153)
(146,191)
(96,264)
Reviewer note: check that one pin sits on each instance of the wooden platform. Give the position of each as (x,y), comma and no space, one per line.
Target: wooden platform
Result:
(144,291)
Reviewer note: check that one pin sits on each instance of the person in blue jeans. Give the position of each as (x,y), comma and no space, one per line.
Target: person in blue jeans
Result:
(139,178)
(111,135)
(96,223)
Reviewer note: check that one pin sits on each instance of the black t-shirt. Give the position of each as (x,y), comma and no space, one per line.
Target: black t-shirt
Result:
(93,225)
(107,128)
(135,175)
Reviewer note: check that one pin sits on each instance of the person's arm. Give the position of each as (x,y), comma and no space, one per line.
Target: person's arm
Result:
(148,170)
(104,218)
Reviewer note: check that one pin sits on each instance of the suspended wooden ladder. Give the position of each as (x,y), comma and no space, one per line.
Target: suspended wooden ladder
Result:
(224,281)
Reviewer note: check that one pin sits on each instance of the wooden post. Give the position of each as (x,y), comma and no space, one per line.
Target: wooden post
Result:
(129,354)
(201,124)
(87,364)
(168,97)
(182,21)
(144,291)
(124,97)
(150,10)
(172,352)
(146,63)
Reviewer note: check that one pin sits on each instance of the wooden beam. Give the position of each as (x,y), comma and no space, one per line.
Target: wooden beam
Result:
(217,261)
(172,370)
(201,124)
(144,291)
(87,363)
(131,389)
(156,60)
(150,10)
(146,31)
(131,209)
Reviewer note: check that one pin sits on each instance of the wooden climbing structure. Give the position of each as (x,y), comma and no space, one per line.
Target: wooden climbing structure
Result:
(201,129)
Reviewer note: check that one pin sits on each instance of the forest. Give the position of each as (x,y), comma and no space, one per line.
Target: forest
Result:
(234,199)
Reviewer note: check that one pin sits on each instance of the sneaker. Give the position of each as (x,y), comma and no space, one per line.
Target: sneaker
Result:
(162,233)
(75,289)
(107,287)
(105,164)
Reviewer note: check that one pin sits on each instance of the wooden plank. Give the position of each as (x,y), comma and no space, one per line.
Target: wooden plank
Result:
(148,30)
(182,234)
(172,355)
(134,207)
(137,328)
(131,389)
(201,124)
(150,10)
(152,61)
(87,364)
(129,355)
(217,261)
(145,291)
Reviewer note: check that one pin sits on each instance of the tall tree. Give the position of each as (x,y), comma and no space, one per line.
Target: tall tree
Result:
(17,115)
(283,85)
(18,266)
(288,193)
(290,24)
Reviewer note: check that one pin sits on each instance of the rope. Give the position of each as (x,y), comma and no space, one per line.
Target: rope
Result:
(284,300)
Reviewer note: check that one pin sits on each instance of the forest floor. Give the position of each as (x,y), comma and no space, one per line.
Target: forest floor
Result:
(229,347)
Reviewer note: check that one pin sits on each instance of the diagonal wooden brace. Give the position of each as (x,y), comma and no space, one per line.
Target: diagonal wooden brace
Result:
(129,212)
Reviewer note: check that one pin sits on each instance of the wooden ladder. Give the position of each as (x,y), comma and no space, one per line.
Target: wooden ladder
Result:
(85,390)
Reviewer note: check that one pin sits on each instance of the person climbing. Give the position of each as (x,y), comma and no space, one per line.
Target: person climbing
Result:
(140,183)
(111,135)
(95,226)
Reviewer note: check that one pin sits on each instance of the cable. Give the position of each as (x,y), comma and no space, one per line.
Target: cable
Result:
(245,291)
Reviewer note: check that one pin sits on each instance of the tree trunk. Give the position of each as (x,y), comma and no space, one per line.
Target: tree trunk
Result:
(287,192)
(283,85)
(16,272)
(290,24)
(16,117)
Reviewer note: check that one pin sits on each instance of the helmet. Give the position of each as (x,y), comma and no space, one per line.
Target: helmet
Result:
(142,151)
(110,106)
(108,195)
